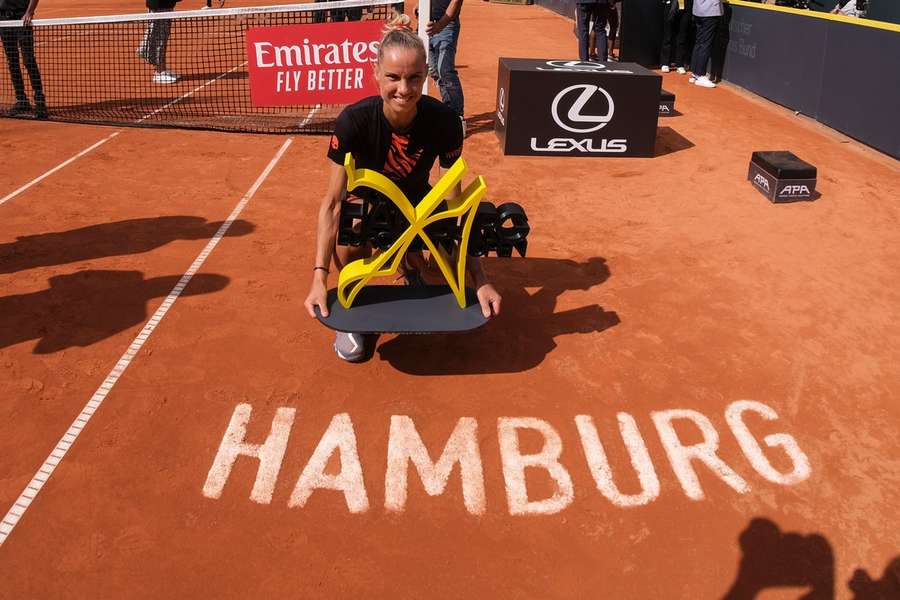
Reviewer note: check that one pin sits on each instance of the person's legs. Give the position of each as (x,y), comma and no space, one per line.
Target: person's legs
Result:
(443,67)
(26,43)
(583,14)
(683,27)
(353,347)
(669,24)
(11,48)
(706,29)
(613,18)
(600,16)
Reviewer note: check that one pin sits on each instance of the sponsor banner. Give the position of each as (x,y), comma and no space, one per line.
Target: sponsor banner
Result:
(324,63)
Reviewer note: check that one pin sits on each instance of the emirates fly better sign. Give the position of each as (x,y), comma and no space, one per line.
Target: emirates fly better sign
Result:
(326,63)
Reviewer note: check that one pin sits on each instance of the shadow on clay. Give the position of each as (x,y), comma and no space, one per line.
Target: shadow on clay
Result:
(669,141)
(523,335)
(132,236)
(83,308)
(772,558)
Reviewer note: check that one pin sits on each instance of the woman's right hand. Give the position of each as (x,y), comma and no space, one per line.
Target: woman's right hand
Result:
(317,297)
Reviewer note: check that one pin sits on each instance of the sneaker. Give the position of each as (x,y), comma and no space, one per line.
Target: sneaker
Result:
(664,68)
(681,70)
(354,347)
(692,79)
(704,82)
(165,77)
(40,111)
(20,107)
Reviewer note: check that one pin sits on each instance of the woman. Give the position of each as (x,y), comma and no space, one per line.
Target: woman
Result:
(399,133)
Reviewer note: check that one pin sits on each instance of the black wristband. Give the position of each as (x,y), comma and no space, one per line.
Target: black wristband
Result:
(321,269)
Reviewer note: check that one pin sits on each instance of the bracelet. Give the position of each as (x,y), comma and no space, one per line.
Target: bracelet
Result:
(321,269)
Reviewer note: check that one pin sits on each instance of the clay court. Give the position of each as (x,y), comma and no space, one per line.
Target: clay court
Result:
(690,391)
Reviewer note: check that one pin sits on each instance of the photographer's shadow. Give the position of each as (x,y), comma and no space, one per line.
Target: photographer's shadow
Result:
(524,333)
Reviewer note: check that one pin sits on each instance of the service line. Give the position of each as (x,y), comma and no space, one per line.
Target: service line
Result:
(37,482)
(36,180)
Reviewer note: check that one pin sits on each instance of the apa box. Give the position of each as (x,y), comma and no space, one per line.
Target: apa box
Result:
(782,177)
(666,103)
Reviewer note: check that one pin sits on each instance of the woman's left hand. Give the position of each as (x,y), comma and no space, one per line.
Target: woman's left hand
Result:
(489,299)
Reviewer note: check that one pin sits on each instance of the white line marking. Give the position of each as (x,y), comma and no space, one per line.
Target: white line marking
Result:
(191,93)
(37,482)
(309,116)
(57,168)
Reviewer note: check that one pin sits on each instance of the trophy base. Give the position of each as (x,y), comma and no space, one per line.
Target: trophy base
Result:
(404,309)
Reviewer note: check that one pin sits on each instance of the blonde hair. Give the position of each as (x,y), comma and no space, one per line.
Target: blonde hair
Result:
(399,34)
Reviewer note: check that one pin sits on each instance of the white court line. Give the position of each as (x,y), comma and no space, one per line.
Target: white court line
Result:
(12,195)
(62,447)
(190,93)
(309,116)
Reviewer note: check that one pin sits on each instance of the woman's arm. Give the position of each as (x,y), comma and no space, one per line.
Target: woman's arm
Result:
(326,232)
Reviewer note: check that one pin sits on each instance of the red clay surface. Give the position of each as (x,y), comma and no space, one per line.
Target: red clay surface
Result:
(651,285)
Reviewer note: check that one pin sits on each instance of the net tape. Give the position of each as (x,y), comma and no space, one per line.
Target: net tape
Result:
(98,69)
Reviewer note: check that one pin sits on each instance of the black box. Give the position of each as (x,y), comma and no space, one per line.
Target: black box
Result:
(666,103)
(573,108)
(782,177)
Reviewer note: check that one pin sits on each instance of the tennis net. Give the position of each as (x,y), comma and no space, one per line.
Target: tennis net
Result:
(173,69)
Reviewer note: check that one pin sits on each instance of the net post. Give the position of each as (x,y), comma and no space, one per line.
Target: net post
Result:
(424,17)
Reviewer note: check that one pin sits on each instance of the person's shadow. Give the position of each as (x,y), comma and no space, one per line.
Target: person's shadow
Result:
(772,558)
(85,307)
(887,588)
(523,334)
(133,236)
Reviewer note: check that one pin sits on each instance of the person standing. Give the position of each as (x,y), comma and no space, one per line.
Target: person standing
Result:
(676,25)
(443,38)
(16,39)
(156,40)
(591,14)
(707,14)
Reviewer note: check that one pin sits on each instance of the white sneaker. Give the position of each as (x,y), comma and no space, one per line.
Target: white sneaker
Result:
(681,70)
(165,77)
(704,82)
(692,79)
(664,68)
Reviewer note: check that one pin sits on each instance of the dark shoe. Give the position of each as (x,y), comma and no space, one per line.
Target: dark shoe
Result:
(40,111)
(19,108)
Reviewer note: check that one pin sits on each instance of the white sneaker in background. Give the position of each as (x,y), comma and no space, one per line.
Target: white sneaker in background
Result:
(692,79)
(165,77)
(681,70)
(664,68)
(704,82)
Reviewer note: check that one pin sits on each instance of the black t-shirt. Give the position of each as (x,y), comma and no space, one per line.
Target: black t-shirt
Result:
(161,4)
(404,158)
(14,8)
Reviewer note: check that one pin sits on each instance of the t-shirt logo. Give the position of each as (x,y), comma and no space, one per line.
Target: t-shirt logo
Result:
(400,163)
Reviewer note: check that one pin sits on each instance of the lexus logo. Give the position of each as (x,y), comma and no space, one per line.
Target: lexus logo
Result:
(568,105)
(576,64)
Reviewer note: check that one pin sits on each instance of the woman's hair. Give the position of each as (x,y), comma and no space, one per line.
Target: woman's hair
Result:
(399,34)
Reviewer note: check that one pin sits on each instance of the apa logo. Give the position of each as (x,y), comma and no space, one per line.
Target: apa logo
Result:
(501,108)
(571,119)
(794,190)
(664,108)
(761,181)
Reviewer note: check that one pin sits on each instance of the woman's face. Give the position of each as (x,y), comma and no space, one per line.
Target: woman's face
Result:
(400,76)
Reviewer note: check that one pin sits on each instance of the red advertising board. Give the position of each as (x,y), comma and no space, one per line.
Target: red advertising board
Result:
(324,63)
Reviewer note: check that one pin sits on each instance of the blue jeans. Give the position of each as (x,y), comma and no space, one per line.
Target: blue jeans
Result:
(585,14)
(442,66)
